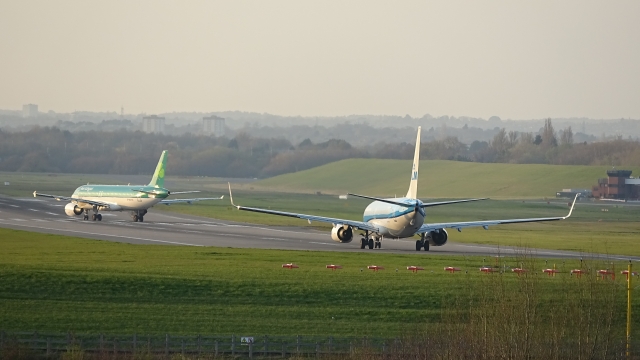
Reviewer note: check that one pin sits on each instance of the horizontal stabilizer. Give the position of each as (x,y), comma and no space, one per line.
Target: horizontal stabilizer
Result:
(147,192)
(184,192)
(187,201)
(438,203)
(384,200)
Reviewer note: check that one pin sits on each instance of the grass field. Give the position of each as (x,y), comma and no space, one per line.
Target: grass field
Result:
(58,284)
(375,177)
(439,179)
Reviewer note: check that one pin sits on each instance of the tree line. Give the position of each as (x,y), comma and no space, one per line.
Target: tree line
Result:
(49,149)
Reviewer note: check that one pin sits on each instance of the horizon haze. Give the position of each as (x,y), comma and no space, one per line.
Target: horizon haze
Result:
(511,59)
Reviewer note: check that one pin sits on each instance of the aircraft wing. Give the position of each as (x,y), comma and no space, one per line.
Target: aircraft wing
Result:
(486,223)
(78,200)
(187,201)
(356,224)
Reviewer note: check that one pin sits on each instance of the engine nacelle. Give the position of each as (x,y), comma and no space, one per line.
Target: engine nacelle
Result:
(342,233)
(72,209)
(437,238)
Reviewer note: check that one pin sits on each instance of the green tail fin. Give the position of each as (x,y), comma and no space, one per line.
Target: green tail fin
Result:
(158,176)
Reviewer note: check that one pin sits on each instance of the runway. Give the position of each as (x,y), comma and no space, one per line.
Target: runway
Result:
(164,228)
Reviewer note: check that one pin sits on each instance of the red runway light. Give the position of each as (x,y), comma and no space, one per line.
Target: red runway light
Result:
(375,267)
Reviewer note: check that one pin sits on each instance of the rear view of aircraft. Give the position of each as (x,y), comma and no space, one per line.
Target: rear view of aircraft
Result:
(137,199)
(398,217)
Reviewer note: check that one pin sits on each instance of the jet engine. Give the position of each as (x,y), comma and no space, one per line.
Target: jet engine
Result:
(72,209)
(437,238)
(342,233)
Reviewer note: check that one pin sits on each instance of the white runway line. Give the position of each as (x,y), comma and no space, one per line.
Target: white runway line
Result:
(50,213)
(115,236)
(33,210)
(16,206)
(18,219)
(208,223)
(313,242)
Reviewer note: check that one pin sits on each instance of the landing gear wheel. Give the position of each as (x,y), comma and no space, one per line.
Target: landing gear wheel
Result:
(426,246)
(94,217)
(85,217)
(363,243)
(419,245)
(99,217)
(135,218)
(141,218)
(378,245)
(370,244)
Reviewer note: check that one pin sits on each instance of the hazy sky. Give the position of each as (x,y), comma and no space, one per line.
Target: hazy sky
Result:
(514,59)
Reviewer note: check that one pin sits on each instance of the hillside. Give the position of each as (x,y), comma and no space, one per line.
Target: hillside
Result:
(439,179)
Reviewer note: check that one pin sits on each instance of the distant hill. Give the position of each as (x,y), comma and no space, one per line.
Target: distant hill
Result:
(439,179)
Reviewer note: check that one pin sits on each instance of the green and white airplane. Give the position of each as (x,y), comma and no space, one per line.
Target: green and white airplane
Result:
(137,199)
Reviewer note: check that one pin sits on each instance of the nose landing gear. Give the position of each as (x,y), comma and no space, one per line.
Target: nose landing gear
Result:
(373,242)
(422,243)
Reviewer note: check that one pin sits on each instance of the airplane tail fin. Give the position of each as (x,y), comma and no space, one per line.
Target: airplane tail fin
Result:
(413,185)
(158,176)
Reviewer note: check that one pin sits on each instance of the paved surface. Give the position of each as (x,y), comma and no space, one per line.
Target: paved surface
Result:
(47,216)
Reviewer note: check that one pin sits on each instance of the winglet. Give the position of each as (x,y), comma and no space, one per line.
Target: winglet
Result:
(572,205)
(231,196)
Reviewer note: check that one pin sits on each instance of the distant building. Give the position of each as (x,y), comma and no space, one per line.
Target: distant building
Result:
(618,185)
(29,110)
(213,125)
(153,124)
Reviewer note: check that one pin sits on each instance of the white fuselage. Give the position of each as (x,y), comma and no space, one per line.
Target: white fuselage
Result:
(394,220)
(122,203)
(119,197)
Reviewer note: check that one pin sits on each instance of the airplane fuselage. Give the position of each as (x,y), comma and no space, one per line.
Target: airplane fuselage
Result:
(395,221)
(123,197)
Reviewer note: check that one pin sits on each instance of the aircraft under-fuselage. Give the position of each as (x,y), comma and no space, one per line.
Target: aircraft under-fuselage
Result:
(399,217)
(135,198)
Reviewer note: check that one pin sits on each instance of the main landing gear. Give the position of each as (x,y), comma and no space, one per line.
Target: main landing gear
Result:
(138,215)
(422,243)
(95,216)
(373,242)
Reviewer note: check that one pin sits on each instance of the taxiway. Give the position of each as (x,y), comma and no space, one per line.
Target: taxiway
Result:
(164,228)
